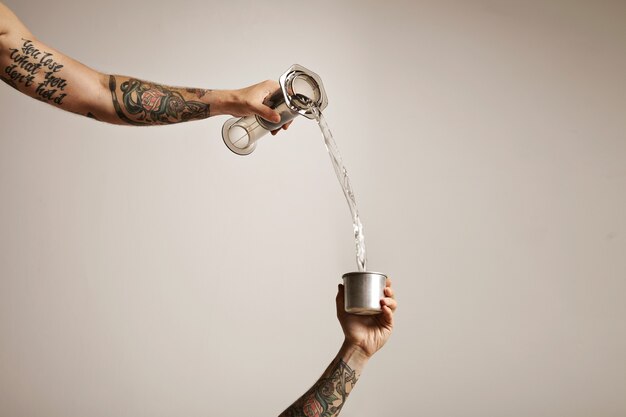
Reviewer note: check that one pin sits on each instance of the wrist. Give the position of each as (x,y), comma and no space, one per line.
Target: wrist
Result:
(223,102)
(354,355)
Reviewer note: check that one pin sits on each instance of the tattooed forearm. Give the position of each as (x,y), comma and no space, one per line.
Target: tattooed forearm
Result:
(327,396)
(8,81)
(198,92)
(116,104)
(30,66)
(142,103)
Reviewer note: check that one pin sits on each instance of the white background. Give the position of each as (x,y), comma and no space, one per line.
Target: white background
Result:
(151,272)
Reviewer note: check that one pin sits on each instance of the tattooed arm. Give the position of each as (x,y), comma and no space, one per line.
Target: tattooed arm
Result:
(47,75)
(364,336)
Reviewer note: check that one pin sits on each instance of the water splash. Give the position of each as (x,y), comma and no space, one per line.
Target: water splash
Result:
(344,181)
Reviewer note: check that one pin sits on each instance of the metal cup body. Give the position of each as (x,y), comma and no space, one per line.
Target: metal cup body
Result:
(363,292)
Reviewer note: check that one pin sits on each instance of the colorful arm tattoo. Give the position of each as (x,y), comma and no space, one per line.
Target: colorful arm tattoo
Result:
(31,68)
(144,103)
(327,396)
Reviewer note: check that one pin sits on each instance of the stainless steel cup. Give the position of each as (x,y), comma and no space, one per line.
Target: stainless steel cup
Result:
(363,292)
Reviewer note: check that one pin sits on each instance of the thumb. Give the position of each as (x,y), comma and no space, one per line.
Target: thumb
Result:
(339,300)
(267,113)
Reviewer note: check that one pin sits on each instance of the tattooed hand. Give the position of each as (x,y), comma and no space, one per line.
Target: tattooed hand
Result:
(367,333)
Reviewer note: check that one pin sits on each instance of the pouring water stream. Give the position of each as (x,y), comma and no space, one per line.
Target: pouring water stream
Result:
(344,181)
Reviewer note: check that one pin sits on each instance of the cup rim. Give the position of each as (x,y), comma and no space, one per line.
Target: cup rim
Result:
(364,273)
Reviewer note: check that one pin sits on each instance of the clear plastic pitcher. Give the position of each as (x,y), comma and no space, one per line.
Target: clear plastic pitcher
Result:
(300,91)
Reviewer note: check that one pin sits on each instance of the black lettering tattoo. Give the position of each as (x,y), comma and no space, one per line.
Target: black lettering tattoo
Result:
(327,396)
(146,103)
(9,81)
(27,63)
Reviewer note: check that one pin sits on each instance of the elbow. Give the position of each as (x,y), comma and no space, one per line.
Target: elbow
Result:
(105,111)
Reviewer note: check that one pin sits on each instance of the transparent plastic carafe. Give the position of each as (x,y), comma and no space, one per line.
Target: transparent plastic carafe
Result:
(300,92)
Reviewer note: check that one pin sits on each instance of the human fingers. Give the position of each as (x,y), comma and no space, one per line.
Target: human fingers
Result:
(389,302)
(387,315)
(266,112)
(389,292)
(339,298)
(261,92)
(283,127)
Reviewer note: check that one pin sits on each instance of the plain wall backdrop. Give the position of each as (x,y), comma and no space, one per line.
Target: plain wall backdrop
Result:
(151,272)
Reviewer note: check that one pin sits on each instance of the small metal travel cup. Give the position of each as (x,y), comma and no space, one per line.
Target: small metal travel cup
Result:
(300,92)
(363,292)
